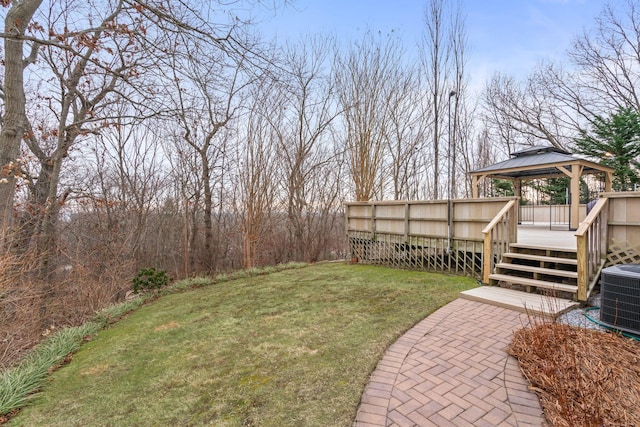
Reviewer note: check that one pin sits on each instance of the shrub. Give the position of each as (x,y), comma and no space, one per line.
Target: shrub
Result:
(149,279)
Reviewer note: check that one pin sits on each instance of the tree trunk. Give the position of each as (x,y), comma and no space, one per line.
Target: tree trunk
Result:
(14,121)
(47,241)
(208,208)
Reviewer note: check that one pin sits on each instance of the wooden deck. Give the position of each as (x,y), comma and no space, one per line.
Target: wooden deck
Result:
(535,304)
(542,235)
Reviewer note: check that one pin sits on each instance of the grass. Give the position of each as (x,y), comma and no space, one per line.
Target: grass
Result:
(290,348)
(18,383)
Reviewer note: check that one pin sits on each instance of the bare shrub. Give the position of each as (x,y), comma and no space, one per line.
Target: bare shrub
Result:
(20,304)
(32,307)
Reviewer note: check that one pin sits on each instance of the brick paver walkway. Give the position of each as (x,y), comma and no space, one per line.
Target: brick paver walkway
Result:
(452,369)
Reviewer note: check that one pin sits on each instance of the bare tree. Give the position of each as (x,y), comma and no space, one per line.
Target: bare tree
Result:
(480,153)
(436,60)
(555,105)
(608,59)
(459,132)
(497,121)
(93,54)
(302,125)
(14,121)
(208,95)
(467,140)
(86,71)
(363,77)
(256,186)
(407,132)
(527,109)
(185,167)
(444,51)
(129,178)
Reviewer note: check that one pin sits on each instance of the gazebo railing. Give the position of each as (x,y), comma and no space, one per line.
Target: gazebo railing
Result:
(498,235)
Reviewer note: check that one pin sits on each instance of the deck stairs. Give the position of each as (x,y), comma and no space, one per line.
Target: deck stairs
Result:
(536,268)
(531,278)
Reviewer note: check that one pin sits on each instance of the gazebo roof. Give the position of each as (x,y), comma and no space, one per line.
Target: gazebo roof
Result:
(544,162)
(538,162)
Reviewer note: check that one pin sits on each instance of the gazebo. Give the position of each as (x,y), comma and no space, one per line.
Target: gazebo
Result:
(544,162)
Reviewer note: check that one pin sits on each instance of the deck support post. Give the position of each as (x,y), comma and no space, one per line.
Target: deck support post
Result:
(583,268)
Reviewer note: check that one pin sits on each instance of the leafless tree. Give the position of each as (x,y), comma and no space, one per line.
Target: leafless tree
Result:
(497,123)
(461,121)
(188,190)
(91,64)
(405,138)
(256,165)
(129,181)
(480,153)
(208,95)
(436,60)
(364,75)
(444,51)
(302,123)
(527,109)
(467,149)
(608,59)
(92,54)
(14,121)
(555,104)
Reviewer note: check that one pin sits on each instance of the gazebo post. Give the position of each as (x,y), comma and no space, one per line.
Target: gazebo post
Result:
(475,184)
(474,187)
(576,173)
(517,191)
(608,181)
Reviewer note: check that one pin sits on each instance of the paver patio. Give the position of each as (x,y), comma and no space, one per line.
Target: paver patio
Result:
(452,369)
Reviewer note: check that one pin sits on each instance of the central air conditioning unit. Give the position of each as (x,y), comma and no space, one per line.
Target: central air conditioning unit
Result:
(620,305)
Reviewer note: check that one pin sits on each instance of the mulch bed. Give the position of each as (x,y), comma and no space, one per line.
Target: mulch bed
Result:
(583,377)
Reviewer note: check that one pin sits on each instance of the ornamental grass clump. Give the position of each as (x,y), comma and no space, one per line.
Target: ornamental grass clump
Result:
(17,384)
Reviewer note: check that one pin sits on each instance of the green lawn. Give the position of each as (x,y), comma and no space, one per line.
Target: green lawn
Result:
(293,348)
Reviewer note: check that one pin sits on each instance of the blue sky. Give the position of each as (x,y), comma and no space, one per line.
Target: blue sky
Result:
(510,36)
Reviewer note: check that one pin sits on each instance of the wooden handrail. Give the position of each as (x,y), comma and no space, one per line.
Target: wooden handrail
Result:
(591,217)
(498,216)
(497,236)
(592,240)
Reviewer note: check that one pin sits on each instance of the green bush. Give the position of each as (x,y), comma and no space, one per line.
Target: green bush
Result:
(149,279)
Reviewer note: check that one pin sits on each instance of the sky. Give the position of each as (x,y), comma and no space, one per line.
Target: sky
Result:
(510,36)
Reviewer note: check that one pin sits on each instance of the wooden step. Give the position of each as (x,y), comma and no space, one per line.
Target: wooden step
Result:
(520,301)
(534,282)
(542,248)
(541,258)
(538,270)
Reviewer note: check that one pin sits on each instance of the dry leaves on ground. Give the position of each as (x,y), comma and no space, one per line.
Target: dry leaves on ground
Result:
(583,377)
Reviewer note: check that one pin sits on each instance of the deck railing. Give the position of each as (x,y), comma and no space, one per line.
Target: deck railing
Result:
(422,234)
(592,239)
(498,234)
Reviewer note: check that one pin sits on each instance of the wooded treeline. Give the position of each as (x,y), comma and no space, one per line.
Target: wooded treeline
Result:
(169,134)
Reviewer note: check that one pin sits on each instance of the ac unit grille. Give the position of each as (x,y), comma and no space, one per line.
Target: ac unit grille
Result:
(620,304)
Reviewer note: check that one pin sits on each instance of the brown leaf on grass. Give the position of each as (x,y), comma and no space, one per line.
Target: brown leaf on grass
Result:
(96,370)
(170,325)
(583,377)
